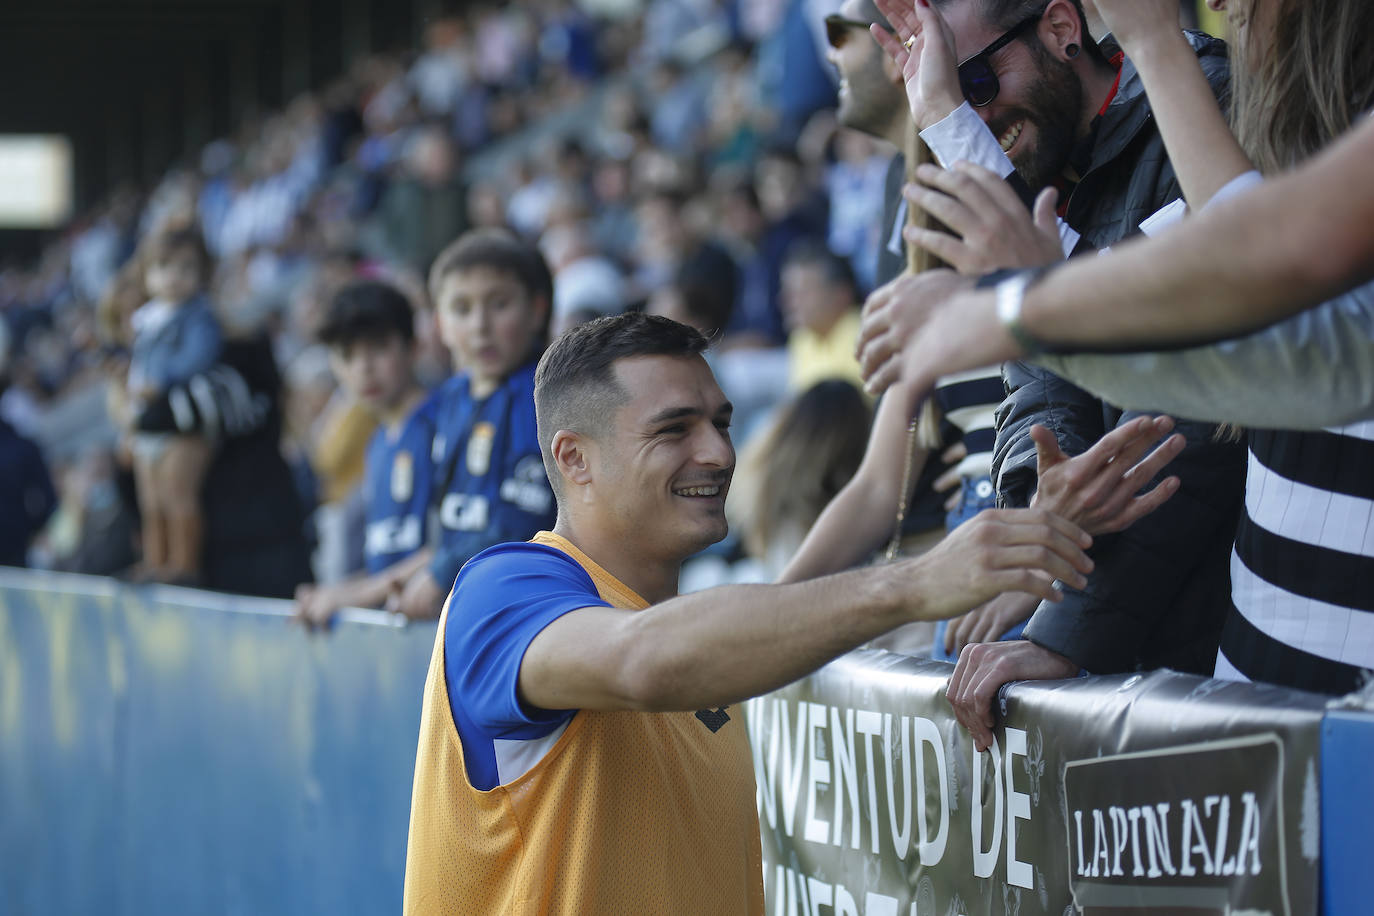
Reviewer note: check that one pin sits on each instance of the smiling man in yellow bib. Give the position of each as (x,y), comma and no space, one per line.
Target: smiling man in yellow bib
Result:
(581,750)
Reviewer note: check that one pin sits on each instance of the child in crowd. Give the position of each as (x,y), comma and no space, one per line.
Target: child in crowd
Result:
(369,329)
(492,296)
(175,336)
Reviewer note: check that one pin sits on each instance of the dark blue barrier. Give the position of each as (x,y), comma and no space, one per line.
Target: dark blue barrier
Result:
(172,751)
(1347,812)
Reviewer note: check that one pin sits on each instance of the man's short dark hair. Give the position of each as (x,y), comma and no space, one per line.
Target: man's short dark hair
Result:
(500,250)
(367,309)
(575,386)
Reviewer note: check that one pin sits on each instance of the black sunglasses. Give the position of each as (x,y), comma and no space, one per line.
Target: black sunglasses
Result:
(837,29)
(976,77)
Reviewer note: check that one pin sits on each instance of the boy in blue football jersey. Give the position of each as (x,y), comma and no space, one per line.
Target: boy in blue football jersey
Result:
(370,332)
(492,296)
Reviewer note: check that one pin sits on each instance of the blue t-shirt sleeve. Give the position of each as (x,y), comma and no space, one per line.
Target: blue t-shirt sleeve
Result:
(502,599)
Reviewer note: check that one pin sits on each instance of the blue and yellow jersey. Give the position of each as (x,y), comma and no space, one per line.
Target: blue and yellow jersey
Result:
(398,484)
(518,810)
(490,484)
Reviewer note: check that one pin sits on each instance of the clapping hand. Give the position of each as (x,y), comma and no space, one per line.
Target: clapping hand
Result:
(1097,489)
(923,50)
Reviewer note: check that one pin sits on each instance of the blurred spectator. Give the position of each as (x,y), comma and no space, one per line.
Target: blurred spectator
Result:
(665,241)
(586,284)
(27,497)
(613,223)
(493,296)
(737,123)
(330,431)
(175,337)
(443,71)
(423,207)
(98,250)
(254,522)
(694,302)
(820,302)
(781,210)
(486,208)
(533,195)
(679,114)
(95,527)
(370,333)
(856,184)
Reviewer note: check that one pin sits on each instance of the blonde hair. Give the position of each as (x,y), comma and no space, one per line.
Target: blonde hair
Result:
(1304,84)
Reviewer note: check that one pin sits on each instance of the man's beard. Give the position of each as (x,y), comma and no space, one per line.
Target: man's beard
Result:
(872,102)
(1055,108)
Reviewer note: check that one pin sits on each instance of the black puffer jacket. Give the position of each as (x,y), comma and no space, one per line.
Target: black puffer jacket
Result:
(1160,590)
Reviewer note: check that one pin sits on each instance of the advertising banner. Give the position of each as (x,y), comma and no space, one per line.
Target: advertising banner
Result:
(1152,793)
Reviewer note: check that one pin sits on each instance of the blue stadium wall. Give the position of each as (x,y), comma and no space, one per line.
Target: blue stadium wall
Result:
(173,751)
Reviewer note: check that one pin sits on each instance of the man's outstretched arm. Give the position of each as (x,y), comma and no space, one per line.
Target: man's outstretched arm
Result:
(723,645)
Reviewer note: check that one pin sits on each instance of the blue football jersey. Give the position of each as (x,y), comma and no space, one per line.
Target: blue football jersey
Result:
(399,481)
(490,484)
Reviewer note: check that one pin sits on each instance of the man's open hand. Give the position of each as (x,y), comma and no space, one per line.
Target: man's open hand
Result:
(996,551)
(1097,489)
(893,314)
(992,228)
(928,65)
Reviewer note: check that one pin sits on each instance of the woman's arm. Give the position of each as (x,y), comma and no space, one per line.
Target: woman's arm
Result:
(1204,152)
(1250,381)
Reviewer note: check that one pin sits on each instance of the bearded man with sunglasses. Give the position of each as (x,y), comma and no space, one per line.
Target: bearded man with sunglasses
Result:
(1022,89)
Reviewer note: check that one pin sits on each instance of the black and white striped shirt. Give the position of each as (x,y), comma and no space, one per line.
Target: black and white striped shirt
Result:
(1302,572)
(969,401)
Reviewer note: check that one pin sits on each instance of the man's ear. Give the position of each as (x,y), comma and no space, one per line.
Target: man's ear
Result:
(1061,27)
(570,453)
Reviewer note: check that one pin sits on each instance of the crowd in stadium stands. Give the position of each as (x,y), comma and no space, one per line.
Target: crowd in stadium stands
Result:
(328,324)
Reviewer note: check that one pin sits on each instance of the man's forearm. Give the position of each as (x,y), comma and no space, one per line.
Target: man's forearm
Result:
(725,645)
(722,645)
(1250,381)
(1226,271)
